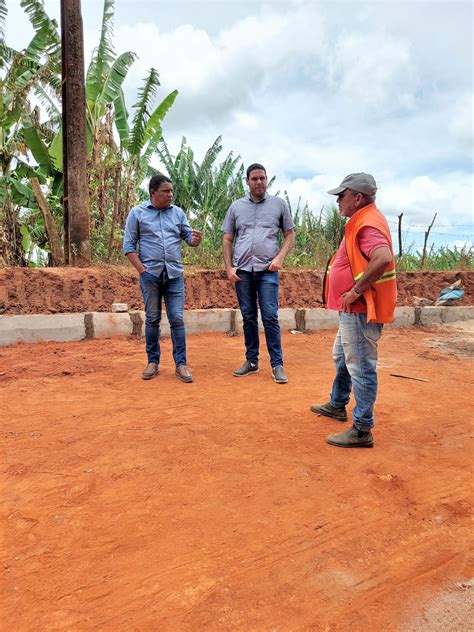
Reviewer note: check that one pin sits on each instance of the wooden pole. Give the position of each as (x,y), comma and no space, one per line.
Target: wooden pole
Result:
(64,122)
(427,232)
(76,194)
(400,252)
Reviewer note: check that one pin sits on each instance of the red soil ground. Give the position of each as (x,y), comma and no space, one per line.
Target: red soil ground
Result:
(47,291)
(218,506)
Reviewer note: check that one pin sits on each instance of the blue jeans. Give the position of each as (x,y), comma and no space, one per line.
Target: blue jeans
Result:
(154,290)
(355,358)
(261,286)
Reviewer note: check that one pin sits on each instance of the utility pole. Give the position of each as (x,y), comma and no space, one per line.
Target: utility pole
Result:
(77,247)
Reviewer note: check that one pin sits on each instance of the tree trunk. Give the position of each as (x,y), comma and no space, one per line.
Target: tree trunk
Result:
(76,200)
(57,255)
(11,251)
(115,209)
(400,251)
(427,234)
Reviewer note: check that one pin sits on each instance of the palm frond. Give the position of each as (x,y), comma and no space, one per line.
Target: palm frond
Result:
(140,119)
(157,116)
(102,56)
(115,77)
(121,119)
(3,21)
(40,20)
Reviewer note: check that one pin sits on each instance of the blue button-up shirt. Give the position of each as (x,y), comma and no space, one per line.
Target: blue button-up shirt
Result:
(158,233)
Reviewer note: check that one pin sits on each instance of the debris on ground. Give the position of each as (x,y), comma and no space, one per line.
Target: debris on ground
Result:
(421,302)
(450,294)
(409,377)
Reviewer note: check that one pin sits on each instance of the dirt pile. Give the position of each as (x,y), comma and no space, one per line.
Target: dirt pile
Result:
(56,290)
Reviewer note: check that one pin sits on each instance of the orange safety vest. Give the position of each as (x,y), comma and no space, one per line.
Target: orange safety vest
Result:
(381,297)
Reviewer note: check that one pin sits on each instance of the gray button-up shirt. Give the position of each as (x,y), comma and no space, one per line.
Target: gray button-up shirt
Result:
(256,226)
(158,233)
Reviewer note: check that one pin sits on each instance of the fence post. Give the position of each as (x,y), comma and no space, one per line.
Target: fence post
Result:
(400,253)
(427,232)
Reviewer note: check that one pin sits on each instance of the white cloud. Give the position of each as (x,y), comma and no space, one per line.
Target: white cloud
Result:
(374,71)
(462,121)
(316,91)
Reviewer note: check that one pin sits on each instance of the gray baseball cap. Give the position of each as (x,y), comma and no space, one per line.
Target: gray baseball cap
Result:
(360,182)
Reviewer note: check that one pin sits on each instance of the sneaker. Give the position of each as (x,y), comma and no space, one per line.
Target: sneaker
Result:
(183,374)
(246,369)
(150,371)
(328,410)
(352,438)
(279,374)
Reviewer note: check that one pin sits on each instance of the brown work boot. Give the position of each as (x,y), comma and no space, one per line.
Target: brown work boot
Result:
(352,438)
(328,410)
(183,374)
(150,371)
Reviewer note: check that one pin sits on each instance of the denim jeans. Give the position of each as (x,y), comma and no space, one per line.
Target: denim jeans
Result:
(261,287)
(154,290)
(355,358)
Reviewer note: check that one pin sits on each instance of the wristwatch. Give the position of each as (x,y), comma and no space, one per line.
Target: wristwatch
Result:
(357,290)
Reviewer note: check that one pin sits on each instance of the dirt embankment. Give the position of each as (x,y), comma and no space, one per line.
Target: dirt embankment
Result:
(55,290)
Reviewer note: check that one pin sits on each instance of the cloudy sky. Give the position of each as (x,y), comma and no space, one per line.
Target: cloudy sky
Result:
(314,91)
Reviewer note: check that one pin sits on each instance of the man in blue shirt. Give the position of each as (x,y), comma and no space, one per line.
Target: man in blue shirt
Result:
(252,227)
(158,227)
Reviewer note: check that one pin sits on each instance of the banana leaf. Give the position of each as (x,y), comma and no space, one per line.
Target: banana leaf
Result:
(113,82)
(102,56)
(36,145)
(121,119)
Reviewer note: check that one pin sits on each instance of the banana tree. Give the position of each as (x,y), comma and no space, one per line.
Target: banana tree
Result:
(204,190)
(32,70)
(139,141)
(118,152)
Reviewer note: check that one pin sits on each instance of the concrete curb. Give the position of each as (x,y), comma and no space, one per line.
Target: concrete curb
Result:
(70,327)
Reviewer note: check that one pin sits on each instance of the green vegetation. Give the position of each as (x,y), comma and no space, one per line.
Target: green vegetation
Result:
(438,259)
(121,151)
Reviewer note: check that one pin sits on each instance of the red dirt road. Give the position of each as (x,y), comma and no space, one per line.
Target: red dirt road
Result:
(217,505)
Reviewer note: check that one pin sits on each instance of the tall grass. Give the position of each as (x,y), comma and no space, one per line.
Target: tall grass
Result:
(438,259)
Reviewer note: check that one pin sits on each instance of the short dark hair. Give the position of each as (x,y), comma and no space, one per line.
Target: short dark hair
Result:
(254,166)
(156,182)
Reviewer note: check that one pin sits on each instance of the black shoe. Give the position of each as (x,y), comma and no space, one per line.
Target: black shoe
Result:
(279,374)
(246,369)
(352,438)
(328,410)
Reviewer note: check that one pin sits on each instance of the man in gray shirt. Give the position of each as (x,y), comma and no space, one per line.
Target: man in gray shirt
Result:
(158,228)
(252,226)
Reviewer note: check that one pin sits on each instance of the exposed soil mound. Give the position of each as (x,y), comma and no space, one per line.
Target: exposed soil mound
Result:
(53,290)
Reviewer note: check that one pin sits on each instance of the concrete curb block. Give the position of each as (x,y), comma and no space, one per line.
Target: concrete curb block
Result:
(41,327)
(404,317)
(286,316)
(109,325)
(433,315)
(201,320)
(73,327)
(319,318)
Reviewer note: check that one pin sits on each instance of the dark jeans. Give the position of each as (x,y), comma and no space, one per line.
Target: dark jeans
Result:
(261,287)
(154,290)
